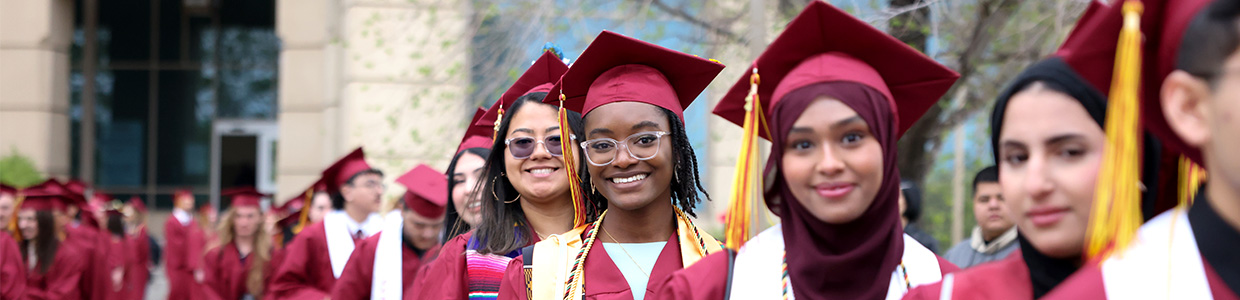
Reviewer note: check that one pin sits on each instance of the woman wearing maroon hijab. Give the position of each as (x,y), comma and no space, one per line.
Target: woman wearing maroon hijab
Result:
(836,108)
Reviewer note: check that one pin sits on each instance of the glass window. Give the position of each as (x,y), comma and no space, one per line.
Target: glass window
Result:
(185,115)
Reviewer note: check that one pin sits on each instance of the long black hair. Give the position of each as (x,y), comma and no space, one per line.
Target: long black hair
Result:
(116,226)
(45,244)
(452,219)
(496,231)
(686,184)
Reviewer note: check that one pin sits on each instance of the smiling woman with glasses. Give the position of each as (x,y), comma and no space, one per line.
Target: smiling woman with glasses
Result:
(631,102)
(523,190)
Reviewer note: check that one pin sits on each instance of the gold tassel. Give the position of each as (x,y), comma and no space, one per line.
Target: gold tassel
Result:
(1191,177)
(17,205)
(746,182)
(570,166)
(307,199)
(1117,200)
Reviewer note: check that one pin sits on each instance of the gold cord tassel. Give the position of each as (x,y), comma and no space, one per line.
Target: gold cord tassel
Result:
(747,181)
(12,226)
(1117,200)
(570,166)
(1191,177)
(307,199)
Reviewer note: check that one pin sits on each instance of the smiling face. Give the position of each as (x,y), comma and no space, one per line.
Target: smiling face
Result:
(541,176)
(832,162)
(627,182)
(1048,169)
(27,223)
(468,205)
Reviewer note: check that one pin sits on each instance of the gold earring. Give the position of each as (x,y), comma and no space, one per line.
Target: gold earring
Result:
(592,187)
(514,200)
(493,186)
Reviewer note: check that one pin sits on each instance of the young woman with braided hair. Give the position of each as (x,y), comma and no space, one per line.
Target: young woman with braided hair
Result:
(639,169)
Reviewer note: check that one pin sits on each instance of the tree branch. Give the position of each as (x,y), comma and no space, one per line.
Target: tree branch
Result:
(684,15)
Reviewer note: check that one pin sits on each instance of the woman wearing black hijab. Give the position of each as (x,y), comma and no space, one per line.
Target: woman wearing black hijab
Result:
(1048,137)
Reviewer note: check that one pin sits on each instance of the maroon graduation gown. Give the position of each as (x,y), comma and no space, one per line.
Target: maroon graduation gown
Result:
(116,254)
(603,280)
(90,243)
(226,274)
(183,256)
(138,265)
(450,281)
(355,281)
(708,279)
(64,278)
(1007,278)
(12,269)
(305,270)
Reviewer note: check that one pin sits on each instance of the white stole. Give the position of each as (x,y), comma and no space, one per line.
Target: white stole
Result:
(1162,261)
(340,240)
(389,261)
(757,272)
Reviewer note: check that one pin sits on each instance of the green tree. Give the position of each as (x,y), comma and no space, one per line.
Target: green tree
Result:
(17,170)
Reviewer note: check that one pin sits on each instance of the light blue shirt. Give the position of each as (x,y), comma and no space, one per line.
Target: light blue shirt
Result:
(636,269)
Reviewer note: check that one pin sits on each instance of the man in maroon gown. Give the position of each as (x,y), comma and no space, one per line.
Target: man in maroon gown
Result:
(313,261)
(185,239)
(1190,100)
(384,266)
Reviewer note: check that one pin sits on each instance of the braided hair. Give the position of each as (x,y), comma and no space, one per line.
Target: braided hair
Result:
(686,184)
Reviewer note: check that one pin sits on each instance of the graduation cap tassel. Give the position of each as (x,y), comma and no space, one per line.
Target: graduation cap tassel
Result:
(747,182)
(570,167)
(1191,177)
(1116,213)
(305,210)
(12,226)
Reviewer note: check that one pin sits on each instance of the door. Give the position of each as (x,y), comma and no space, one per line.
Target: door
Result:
(243,154)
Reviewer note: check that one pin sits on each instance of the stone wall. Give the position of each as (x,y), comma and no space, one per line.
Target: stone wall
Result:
(34,81)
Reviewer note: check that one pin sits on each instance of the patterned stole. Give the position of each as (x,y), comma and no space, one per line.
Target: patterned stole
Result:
(484,271)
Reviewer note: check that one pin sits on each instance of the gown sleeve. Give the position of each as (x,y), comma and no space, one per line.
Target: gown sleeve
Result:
(12,271)
(65,276)
(448,281)
(293,281)
(512,287)
(355,280)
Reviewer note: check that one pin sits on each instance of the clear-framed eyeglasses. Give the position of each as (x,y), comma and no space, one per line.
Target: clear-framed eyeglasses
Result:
(641,146)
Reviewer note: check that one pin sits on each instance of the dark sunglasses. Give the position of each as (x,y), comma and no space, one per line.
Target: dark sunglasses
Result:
(523,147)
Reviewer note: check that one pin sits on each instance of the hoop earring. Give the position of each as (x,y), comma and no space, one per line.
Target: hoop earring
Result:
(493,186)
(514,200)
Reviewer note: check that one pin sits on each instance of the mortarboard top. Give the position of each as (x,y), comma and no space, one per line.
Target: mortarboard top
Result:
(477,134)
(137,204)
(538,78)
(826,44)
(427,192)
(1163,24)
(50,195)
(245,196)
(616,68)
(338,173)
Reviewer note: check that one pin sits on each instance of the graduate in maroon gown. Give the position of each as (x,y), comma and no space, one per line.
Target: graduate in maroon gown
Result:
(313,261)
(138,267)
(54,266)
(1050,194)
(1189,95)
(237,265)
(12,270)
(8,206)
(837,94)
(185,244)
(83,229)
(116,252)
(384,265)
(515,188)
(464,209)
(639,168)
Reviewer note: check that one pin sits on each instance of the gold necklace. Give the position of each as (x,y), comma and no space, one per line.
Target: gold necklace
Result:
(626,253)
